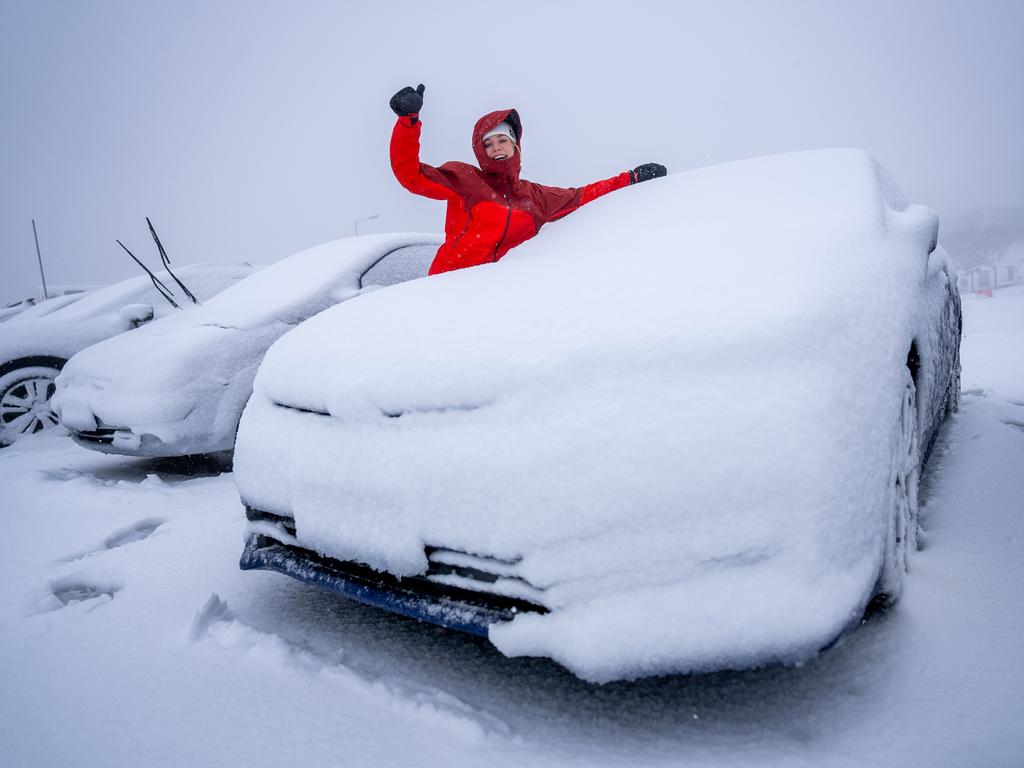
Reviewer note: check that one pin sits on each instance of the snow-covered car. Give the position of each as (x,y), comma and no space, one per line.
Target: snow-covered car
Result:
(178,386)
(679,432)
(36,344)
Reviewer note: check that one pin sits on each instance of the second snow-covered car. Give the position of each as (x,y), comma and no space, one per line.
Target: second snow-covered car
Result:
(680,432)
(35,345)
(177,387)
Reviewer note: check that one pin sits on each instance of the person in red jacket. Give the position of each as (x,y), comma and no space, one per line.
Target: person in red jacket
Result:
(490,209)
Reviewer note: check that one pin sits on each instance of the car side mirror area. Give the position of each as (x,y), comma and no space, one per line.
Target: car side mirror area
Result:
(135,315)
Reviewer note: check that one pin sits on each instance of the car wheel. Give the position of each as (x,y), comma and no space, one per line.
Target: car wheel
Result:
(25,401)
(903,485)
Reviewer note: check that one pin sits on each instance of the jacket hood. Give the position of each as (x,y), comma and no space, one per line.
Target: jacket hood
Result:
(509,167)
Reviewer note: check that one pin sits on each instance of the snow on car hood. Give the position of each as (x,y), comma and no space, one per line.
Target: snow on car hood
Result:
(186,378)
(679,396)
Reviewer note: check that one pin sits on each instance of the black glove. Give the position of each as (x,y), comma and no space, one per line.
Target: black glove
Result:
(408,101)
(646,172)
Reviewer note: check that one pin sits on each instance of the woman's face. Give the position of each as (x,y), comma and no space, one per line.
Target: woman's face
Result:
(499,147)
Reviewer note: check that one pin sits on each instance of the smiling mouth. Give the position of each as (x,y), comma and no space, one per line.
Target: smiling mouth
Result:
(501,157)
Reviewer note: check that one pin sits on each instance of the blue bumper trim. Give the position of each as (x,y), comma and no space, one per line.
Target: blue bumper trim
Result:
(357,582)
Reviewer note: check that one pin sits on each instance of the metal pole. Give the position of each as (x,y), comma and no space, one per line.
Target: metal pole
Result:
(357,222)
(39,256)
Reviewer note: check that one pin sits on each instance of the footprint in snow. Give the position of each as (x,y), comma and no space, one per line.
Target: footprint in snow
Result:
(70,590)
(139,531)
(135,532)
(214,610)
(59,475)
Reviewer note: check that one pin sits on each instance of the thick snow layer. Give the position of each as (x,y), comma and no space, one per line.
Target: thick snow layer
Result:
(98,315)
(186,378)
(46,307)
(674,410)
(129,637)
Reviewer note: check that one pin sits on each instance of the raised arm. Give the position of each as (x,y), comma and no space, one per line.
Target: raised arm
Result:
(417,177)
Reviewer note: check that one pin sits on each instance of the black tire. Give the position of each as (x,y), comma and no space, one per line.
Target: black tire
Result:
(901,535)
(953,396)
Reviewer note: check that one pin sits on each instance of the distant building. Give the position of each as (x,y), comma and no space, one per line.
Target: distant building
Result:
(989,277)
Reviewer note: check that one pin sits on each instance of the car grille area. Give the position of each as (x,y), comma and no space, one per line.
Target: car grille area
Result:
(461,591)
(123,440)
(95,436)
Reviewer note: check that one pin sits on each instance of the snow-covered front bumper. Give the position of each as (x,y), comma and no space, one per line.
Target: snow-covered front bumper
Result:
(119,440)
(125,441)
(460,591)
(175,417)
(734,616)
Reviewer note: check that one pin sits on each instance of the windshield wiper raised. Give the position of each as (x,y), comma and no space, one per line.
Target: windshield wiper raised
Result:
(167,262)
(161,288)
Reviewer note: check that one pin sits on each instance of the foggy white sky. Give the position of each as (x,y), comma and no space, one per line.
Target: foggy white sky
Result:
(251,130)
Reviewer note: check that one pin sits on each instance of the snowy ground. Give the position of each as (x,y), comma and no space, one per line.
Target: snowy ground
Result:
(129,636)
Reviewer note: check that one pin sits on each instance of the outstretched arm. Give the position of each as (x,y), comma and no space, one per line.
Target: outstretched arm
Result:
(580,196)
(583,195)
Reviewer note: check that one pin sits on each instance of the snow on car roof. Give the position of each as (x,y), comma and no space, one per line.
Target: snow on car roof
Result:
(299,286)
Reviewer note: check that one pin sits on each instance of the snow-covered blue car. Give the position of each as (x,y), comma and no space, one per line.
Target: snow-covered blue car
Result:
(681,432)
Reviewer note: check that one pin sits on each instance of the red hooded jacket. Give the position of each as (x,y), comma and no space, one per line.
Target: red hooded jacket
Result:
(490,209)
